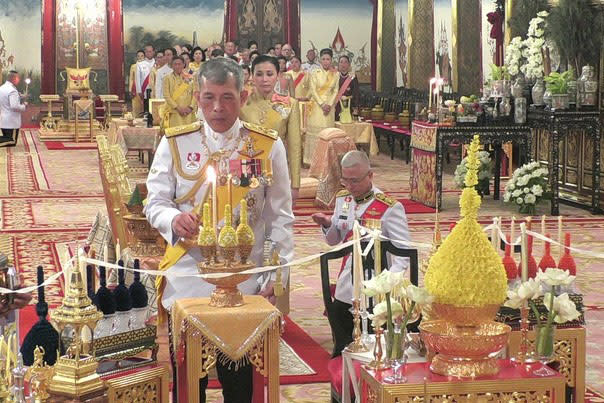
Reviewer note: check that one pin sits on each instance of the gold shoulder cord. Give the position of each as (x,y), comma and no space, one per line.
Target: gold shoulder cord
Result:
(198,176)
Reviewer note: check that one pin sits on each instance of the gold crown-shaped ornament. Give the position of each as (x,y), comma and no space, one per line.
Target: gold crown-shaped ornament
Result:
(234,246)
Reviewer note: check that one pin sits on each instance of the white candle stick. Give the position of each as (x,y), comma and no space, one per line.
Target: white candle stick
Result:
(430,94)
(211,175)
(357,275)
(512,230)
(118,251)
(494,234)
(27,82)
(524,252)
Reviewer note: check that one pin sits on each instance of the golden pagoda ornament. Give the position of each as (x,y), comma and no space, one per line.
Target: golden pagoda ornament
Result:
(235,247)
(468,281)
(75,372)
(245,234)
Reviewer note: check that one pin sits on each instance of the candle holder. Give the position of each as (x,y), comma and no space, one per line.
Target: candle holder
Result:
(378,364)
(357,345)
(524,354)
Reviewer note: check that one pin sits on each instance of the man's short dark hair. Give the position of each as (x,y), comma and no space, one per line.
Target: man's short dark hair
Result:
(178,58)
(217,53)
(219,70)
(148,44)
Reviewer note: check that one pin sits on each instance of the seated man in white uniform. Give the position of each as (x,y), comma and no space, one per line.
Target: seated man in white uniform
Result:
(360,201)
(178,182)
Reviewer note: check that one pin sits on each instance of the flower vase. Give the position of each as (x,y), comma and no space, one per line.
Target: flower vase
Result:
(398,356)
(544,348)
(537,92)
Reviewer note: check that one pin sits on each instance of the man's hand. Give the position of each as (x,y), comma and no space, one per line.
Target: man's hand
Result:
(322,219)
(182,110)
(185,225)
(20,300)
(269,292)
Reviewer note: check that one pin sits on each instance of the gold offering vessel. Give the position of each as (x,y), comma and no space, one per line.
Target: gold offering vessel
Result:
(467,278)
(75,373)
(234,247)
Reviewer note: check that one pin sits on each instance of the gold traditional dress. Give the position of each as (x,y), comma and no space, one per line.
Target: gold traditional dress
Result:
(301,81)
(137,103)
(194,67)
(323,90)
(178,92)
(280,113)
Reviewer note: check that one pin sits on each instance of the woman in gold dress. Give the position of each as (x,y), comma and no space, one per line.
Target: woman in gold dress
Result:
(137,103)
(300,78)
(266,108)
(285,84)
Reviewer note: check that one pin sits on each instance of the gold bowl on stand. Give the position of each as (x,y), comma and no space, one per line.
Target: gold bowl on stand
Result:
(226,294)
(464,351)
(465,315)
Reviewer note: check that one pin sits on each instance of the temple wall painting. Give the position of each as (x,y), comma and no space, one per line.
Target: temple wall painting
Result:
(343,26)
(402,25)
(21,40)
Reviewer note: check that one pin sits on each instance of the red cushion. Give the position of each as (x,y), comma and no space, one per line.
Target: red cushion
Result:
(334,366)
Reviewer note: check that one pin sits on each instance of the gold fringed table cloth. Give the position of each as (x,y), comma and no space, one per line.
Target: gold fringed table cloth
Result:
(204,334)
(361,133)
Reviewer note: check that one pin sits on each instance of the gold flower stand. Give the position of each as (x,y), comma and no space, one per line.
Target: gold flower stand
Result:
(511,384)
(569,350)
(203,334)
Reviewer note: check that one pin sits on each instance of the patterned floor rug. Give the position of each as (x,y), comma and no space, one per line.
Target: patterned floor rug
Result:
(49,198)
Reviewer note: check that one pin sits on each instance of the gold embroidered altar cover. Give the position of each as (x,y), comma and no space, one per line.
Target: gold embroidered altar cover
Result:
(233,331)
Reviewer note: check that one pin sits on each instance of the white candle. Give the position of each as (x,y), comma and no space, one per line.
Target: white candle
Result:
(356,267)
(430,94)
(512,230)
(560,240)
(494,234)
(211,175)
(524,251)
(118,251)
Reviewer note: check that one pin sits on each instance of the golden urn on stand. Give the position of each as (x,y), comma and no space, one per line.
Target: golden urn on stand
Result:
(75,373)
(467,278)
(227,253)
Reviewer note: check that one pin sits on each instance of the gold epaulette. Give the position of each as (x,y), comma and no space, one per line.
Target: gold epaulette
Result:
(385,199)
(261,130)
(343,193)
(183,129)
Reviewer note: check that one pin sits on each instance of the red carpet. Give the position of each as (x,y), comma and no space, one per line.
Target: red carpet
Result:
(311,353)
(306,207)
(61,145)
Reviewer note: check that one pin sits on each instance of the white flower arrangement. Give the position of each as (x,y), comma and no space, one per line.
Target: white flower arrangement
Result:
(527,187)
(533,68)
(484,171)
(513,56)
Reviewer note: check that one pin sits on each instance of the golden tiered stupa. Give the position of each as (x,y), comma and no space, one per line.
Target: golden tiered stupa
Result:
(468,281)
(234,246)
(75,372)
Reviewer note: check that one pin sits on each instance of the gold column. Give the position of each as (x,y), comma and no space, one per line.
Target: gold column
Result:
(466,21)
(509,13)
(386,45)
(421,43)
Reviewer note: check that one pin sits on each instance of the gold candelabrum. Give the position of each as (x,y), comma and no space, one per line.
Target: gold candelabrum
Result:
(226,253)
(75,373)
(357,345)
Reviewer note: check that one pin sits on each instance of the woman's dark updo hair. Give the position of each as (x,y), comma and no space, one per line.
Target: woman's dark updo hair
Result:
(295,57)
(265,59)
(203,54)
(326,51)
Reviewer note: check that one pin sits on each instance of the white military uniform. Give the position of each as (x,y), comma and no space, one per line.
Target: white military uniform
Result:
(270,212)
(160,74)
(394,226)
(142,77)
(10,106)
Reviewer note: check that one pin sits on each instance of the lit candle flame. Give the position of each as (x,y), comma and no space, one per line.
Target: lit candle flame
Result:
(28,81)
(211,174)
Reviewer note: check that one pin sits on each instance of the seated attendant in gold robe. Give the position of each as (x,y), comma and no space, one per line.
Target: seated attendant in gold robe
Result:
(268,109)
(300,78)
(180,106)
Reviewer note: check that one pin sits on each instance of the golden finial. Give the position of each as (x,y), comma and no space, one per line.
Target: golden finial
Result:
(244,233)
(207,235)
(278,288)
(227,239)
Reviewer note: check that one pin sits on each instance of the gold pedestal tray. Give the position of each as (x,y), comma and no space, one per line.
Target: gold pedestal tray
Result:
(464,351)
(226,294)
(144,235)
(76,377)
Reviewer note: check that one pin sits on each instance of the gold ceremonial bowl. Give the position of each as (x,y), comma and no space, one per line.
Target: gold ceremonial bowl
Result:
(464,315)
(226,293)
(464,351)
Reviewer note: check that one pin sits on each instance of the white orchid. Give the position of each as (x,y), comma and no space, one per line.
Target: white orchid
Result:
(383,283)
(555,277)
(530,289)
(564,308)
(380,312)
(418,295)
(514,301)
